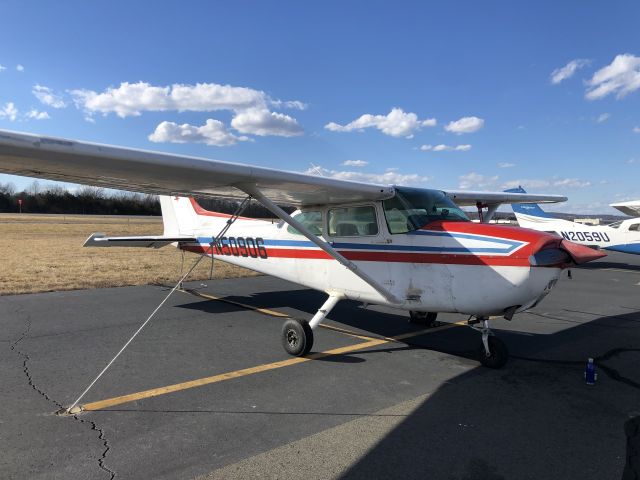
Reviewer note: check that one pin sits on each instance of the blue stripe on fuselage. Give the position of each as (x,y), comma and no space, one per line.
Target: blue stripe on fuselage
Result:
(510,244)
(633,248)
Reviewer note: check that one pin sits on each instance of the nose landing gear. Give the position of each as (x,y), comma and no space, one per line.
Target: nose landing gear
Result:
(428,319)
(493,352)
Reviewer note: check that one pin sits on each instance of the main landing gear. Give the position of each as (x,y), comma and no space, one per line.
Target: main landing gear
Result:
(428,319)
(493,352)
(297,335)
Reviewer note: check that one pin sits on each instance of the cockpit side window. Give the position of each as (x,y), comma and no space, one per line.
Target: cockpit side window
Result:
(312,220)
(413,208)
(353,221)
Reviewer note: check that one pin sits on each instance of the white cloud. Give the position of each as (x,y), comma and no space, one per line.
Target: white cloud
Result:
(250,107)
(397,123)
(355,163)
(213,132)
(48,97)
(19,68)
(552,183)
(506,165)
(465,125)
(389,177)
(36,115)
(563,73)
(603,117)
(621,76)
(293,104)
(131,99)
(636,130)
(262,122)
(2,68)
(9,111)
(445,148)
(477,181)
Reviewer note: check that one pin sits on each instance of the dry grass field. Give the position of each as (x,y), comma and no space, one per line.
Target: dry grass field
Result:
(40,253)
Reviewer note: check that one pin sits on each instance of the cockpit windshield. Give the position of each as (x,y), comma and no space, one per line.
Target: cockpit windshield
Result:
(413,208)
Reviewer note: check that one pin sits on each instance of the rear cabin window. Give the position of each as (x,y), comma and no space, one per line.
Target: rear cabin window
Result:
(311,220)
(634,227)
(353,222)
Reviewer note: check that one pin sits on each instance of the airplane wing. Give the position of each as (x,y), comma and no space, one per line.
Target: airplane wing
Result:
(628,208)
(469,198)
(167,174)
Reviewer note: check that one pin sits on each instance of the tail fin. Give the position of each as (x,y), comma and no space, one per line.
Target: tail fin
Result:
(178,216)
(529,209)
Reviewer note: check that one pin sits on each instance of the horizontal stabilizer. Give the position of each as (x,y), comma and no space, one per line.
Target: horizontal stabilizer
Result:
(101,240)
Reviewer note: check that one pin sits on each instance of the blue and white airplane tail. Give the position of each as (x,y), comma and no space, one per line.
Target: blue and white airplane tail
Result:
(529,214)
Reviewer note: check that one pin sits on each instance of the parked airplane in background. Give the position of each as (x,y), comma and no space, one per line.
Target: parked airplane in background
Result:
(623,236)
(631,208)
(409,248)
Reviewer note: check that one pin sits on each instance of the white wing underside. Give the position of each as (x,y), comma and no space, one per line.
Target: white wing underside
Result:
(167,174)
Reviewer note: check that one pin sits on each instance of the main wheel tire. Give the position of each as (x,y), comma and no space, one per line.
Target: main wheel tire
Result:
(427,319)
(498,353)
(297,337)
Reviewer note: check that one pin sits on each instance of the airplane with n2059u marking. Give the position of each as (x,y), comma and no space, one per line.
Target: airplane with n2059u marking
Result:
(622,236)
(409,248)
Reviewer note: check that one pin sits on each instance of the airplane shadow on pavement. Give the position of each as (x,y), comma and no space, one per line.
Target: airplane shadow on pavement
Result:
(534,418)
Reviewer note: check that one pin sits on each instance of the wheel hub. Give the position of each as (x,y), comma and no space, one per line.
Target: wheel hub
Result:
(292,338)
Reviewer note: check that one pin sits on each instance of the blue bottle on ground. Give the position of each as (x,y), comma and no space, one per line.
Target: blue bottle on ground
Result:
(590,375)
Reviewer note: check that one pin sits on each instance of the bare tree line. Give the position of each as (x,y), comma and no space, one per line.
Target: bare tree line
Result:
(52,198)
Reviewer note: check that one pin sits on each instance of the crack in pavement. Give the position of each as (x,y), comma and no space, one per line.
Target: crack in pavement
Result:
(25,366)
(632,465)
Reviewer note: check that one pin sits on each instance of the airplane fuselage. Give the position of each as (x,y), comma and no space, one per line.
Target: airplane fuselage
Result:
(621,236)
(442,267)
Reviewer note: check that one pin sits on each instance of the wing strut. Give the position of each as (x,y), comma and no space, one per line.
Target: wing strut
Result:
(252,190)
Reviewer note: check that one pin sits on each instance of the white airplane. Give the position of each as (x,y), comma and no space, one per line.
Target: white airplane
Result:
(409,248)
(631,208)
(623,236)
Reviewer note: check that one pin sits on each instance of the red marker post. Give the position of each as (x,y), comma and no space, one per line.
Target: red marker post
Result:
(20,205)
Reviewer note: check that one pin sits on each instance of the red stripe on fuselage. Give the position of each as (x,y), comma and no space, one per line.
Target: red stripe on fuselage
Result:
(390,257)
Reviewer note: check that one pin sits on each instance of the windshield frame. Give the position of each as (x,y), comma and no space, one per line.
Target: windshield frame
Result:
(420,202)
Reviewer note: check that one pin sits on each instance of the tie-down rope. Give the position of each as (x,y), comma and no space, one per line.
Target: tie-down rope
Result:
(230,221)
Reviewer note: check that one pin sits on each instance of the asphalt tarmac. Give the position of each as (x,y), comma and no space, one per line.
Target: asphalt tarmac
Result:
(206,390)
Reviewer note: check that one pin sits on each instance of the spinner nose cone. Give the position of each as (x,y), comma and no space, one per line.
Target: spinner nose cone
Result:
(581,254)
(563,254)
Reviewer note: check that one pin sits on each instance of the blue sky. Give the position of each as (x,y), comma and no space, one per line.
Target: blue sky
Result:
(440,94)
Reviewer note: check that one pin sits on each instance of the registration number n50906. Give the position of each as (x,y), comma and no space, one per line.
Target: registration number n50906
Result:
(241,247)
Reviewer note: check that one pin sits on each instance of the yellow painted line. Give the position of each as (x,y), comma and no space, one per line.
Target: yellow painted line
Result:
(154,392)
(347,332)
(272,313)
(266,311)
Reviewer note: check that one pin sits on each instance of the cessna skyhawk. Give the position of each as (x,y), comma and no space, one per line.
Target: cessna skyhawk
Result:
(409,248)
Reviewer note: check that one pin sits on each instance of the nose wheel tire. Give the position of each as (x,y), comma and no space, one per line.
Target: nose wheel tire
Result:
(428,319)
(498,353)
(297,337)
